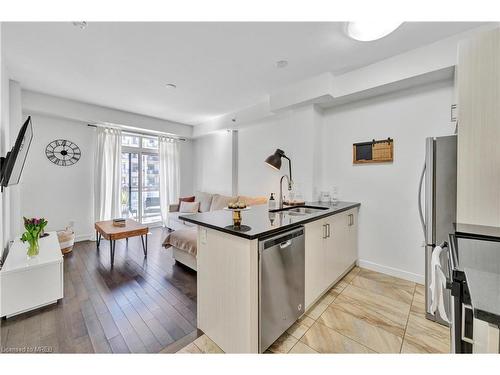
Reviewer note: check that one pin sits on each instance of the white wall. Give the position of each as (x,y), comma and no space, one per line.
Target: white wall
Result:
(296,133)
(15,122)
(64,194)
(390,235)
(4,143)
(60,194)
(213,163)
(320,146)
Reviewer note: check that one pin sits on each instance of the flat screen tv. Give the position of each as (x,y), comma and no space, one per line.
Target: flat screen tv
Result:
(13,163)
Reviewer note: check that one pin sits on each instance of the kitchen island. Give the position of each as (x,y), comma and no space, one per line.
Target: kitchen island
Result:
(228,264)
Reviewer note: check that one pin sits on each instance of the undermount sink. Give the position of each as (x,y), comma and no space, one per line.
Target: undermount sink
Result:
(301,210)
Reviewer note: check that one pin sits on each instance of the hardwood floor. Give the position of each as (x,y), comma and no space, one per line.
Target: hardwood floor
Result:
(139,306)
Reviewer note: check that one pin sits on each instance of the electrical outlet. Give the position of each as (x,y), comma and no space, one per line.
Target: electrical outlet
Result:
(203,236)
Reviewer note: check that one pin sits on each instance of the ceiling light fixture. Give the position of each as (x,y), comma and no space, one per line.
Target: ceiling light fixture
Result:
(81,24)
(366,31)
(171,85)
(281,63)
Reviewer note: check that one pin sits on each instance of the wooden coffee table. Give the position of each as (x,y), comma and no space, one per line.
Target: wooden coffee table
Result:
(112,233)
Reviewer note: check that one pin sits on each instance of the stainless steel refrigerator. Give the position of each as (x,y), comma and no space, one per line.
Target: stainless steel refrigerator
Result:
(439,182)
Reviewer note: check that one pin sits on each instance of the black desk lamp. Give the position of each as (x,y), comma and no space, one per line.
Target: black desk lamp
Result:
(274,161)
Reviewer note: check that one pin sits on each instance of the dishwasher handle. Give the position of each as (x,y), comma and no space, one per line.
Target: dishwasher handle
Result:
(285,244)
(282,239)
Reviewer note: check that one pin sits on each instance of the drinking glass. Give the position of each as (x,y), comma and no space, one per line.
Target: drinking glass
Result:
(335,195)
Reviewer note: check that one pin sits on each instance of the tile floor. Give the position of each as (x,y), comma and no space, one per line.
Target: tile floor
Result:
(365,312)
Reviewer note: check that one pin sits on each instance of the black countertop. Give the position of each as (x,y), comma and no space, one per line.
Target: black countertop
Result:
(479,230)
(479,259)
(260,222)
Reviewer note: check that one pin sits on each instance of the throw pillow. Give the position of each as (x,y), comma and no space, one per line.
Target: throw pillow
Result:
(186,199)
(221,201)
(205,200)
(189,207)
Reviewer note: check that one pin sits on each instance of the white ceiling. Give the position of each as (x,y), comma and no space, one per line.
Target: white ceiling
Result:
(217,67)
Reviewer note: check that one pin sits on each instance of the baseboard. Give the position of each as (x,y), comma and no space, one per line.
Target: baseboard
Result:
(391,271)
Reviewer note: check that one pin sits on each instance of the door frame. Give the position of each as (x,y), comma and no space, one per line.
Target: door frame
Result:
(140,151)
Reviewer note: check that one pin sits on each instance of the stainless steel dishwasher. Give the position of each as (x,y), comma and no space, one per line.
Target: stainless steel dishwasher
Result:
(281,284)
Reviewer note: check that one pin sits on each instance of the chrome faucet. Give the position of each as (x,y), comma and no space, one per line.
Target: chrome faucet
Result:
(280,201)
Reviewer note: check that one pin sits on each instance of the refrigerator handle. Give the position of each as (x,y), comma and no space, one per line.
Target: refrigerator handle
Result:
(420,211)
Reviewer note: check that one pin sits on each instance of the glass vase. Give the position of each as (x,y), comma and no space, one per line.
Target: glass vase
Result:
(33,248)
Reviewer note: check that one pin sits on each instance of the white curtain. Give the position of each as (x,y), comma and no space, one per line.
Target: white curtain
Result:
(169,175)
(107,184)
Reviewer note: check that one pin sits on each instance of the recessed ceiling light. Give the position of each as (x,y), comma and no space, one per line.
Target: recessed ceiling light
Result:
(81,24)
(281,63)
(367,31)
(171,85)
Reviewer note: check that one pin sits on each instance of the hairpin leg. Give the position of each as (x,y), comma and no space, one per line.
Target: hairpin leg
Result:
(112,244)
(145,245)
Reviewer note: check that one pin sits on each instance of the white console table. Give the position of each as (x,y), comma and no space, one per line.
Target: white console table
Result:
(27,284)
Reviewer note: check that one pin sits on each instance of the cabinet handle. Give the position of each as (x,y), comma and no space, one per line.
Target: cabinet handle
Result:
(328,230)
(324,231)
(351,219)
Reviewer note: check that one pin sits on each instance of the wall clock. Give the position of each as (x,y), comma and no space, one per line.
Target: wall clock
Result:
(63,152)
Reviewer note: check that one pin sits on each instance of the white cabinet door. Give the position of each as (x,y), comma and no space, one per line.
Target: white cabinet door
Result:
(478,172)
(331,248)
(335,248)
(341,244)
(315,233)
(486,337)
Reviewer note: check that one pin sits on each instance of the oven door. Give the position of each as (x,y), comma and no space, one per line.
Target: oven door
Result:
(462,318)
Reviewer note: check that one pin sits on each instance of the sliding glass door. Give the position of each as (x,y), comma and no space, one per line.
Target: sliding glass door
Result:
(129,197)
(140,168)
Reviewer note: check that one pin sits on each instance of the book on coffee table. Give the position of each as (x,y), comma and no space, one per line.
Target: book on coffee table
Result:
(120,222)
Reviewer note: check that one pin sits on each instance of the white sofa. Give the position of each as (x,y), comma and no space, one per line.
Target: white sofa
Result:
(174,222)
(183,238)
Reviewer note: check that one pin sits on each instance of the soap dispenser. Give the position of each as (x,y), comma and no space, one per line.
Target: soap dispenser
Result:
(272,202)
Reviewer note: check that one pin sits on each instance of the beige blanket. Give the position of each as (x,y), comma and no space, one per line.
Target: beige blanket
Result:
(183,239)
